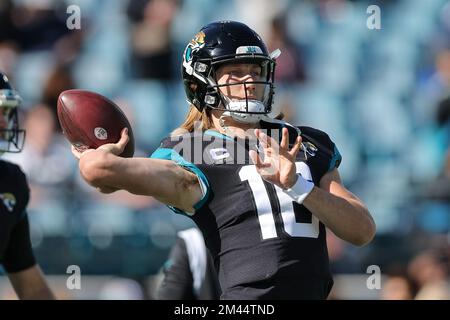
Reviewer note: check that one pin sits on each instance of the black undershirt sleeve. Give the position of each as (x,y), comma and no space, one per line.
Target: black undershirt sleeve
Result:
(19,254)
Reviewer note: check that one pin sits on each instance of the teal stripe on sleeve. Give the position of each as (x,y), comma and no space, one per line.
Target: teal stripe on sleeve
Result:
(335,160)
(170,154)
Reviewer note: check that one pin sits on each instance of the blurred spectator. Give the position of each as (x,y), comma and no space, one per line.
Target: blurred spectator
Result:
(8,30)
(8,36)
(258,14)
(121,289)
(436,86)
(443,113)
(397,285)
(151,45)
(331,10)
(439,188)
(341,258)
(59,79)
(435,291)
(442,35)
(290,66)
(37,24)
(443,71)
(429,270)
(443,118)
(397,288)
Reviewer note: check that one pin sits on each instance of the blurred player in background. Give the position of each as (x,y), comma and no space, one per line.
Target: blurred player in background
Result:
(189,273)
(16,254)
(262,202)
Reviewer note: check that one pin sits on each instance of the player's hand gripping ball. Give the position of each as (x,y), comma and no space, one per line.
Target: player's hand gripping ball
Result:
(89,120)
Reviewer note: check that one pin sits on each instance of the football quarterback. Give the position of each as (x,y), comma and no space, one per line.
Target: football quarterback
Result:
(261,191)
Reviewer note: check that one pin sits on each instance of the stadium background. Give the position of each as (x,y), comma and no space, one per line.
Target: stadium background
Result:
(382,95)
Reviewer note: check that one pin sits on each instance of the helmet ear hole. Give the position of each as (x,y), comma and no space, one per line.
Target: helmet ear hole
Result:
(193,86)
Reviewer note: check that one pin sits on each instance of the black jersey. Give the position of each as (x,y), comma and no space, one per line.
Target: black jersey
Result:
(189,273)
(15,246)
(265,246)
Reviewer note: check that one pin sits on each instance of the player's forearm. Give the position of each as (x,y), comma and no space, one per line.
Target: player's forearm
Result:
(30,284)
(41,293)
(347,218)
(161,179)
(137,175)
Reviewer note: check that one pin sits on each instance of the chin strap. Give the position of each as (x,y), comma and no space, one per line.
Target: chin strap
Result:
(224,126)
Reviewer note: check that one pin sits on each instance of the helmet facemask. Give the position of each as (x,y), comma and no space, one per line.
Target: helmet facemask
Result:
(249,108)
(256,100)
(12,138)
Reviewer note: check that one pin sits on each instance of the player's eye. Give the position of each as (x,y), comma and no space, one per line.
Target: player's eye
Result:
(235,73)
(242,73)
(5,112)
(256,73)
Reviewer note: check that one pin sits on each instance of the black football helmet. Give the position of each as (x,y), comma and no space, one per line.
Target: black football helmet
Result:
(11,136)
(228,42)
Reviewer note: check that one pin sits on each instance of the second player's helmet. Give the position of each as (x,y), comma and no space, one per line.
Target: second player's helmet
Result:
(227,42)
(11,136)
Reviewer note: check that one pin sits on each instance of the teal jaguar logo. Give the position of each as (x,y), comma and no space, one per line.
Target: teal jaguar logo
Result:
(194,45)
(309,148)
(9,200)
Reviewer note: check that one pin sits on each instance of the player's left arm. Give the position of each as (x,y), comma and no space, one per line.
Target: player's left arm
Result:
(340,210)
(21,267)
(30,284)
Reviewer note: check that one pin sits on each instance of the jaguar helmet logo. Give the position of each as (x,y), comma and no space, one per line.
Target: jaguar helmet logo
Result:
(194,45)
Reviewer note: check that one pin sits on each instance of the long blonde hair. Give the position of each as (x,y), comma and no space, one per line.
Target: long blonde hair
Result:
(194,116)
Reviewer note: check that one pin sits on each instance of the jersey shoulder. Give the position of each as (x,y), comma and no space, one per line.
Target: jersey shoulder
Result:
(14,184)
(318,137)
(174,147)
(178,141)
(171,141)
(318,141)
(13,175)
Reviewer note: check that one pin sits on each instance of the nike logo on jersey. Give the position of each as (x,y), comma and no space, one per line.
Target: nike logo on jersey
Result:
(9,200)
(219,154)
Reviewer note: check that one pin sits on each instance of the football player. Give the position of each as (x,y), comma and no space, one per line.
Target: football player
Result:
(261,190)
(16,254)
(189,272)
